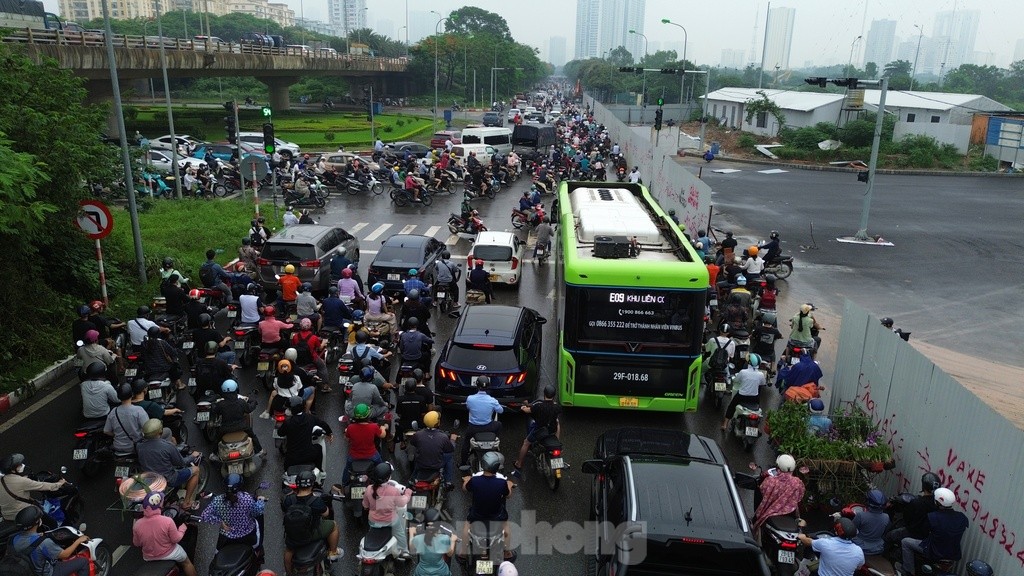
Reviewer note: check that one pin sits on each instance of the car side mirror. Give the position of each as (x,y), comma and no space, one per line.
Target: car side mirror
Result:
(592,467)
(542,320)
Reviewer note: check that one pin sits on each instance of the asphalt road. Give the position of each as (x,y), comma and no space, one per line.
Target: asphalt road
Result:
(953,278)
(45,434)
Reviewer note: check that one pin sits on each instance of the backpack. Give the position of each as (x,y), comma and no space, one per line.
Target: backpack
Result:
(301,525)
(207,275)
(304,353)
(19,563)
(720,357)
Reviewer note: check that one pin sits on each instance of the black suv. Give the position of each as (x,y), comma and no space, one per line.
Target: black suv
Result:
(665,504)
(401,253)
(493,119)
(502,342)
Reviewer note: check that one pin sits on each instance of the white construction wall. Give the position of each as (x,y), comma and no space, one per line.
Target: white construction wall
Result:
(958,135)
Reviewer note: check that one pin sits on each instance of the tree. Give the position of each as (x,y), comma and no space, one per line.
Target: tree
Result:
(620,57)
(470,20)
(974,79)
(660,59)
(764,105)
(897,68)
(871,70)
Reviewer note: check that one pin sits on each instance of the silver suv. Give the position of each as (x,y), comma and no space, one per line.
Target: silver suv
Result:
(308,247)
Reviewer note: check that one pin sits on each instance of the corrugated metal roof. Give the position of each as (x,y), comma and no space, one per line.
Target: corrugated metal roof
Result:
(941,101)
(786,99)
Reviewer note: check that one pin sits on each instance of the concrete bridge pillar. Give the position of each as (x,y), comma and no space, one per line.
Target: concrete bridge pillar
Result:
(101,92)
(279,86)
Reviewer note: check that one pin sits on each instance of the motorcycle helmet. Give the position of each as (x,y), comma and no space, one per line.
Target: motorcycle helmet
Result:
(741,280)
(97,305)
(346,273)
(332,291)
(887,322)
(816,406)
(168,262)
(142,311)
(233,483)
(728,234)
(754,360)
(291,354)
(289,269)
(774,235)
(382,473)
(413,272)
(377,288)
(296,404)
(361,412)
(305,324)
(875,499)
(96,370)
(446,255)
(194,294)
(153,332)
(367,374)
(412,323)
(975,568)
(341,251)
(246,241)
(414,294)
(125,391)
(491,462)
(845,528)
(305,479)
(944,498)
(929,482)
(418,374)
(12,462)
(83,310)
(362,337)
(549,391)
(432,419)
(252,288)
(205,319)
(769,318)
(785,463)
(357,315)
(153,428)
(269,311)
(409,385)
(28,517)
(211,347)
(482,382)
(431,515)
(284,367)
(507,569)
(229,386)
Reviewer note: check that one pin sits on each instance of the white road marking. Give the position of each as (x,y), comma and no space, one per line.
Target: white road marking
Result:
(118,554)
(36,406)
(377,232)
(432,230)
(772,171)
(452,240)
(726,171)
(357,228)
(408,229)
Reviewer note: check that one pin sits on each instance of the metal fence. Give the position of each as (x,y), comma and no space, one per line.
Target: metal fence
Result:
(934,424)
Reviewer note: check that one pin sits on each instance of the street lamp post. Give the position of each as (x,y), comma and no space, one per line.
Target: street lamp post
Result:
(145,34)
(406,28)
(643,91)
(682,79)
(849,63)
(437,32)
(167,101)
(916,54)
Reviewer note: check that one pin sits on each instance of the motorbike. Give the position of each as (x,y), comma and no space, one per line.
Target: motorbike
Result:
(378,551)
(402,197)
(522,218)
(547,456)
(620,174)
(780,267)
(746,424)
(443,297)
(205,421)
(314,200)
(474,191)
(354,186)
(160,389)
(465,227)
(479,444)
(358,483)
(486,547)
(92,447)
(266,364)
(246,342)
(93,549)
(292,472)
(741,338)
(235,454)
(188,542)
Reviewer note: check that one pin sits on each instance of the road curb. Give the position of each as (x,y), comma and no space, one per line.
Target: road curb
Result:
(49,375)
(819,168)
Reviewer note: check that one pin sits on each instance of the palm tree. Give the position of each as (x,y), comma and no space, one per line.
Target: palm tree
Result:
(897,68)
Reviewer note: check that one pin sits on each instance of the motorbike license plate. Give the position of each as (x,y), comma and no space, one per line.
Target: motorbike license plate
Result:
(232,313)
(557,464)
(80,454)
(187,345)
(121,471)
(155,393)
(203,416)
(484,567)
(262,366)
(441,295)
(393,277)
(629,402)
(720,386)
(752,431)
(240,345)
(235,468)
(356,492)
(191,382)
(787,557)
(130,372)
(418,502)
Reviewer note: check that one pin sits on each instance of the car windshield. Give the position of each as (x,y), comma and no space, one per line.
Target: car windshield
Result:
(288,252)
(470,357)
(492,253)
(396,255)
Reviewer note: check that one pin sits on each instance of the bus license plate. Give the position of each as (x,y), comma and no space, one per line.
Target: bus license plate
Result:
(130,372)
(441,295)
(240,345)
(418,502)
(393,277)
(232,313)
(484,567)
(720,386)
(262,366)
(752,431)
(357,492)
(557,464)
(787,557)
(80,454)
(203,416)
(628,402)
(187,345)
(155,393)
(121,471)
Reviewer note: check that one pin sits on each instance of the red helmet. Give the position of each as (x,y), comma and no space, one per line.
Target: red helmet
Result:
(268,311)
(346,273)
(194,294)
(96,305)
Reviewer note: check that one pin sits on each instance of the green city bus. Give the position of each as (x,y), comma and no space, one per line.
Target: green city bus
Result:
(631,301)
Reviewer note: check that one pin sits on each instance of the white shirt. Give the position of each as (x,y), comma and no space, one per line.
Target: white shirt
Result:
(750,380)
(754,265)
(250,312)
(634,177)
(448,144)
(290,219)
(137,328)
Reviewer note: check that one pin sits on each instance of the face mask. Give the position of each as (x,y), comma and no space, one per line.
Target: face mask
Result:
(20,469)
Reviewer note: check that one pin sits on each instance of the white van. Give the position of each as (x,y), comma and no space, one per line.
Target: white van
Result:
(483,152)
(498,137)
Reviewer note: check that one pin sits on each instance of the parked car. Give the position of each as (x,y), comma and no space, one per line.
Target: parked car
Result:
(442,136)
(680,487)
(493,119)
(287,149)
(502,253)
(400,253)
(417,149)
(164,142)
(308,247)
(160,161)
(501,342)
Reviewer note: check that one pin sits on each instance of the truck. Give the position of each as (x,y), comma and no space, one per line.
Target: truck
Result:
(27,14)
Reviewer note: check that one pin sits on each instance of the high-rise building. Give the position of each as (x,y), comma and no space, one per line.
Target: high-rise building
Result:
(733,58)
(778,38)
(604,25)
(880,43)
(556,50)
(955,33)
(1018,53)
(588,17)
(421,25)
(346,15)
(78,10)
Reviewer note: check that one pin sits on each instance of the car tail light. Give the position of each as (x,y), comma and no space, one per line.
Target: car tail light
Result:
(262,262)
(692,540)
(81,434)
(556,453)
(515,262)
(522,376)
(234,455)
(486,346)
(310,264)
(787,545)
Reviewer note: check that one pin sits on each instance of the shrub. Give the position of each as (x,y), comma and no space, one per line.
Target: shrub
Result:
(399,122)
(804,138)
(329,136)
(387,129)
(746,141)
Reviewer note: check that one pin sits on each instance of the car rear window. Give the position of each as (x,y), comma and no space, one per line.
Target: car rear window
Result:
(493,253)
(399,255)
(289,252)
(498,358)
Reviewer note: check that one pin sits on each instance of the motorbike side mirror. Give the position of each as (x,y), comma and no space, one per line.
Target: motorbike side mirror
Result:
(457,423)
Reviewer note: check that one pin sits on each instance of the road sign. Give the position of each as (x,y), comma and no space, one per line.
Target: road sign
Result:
(251,163)
(266,111)
(94,219)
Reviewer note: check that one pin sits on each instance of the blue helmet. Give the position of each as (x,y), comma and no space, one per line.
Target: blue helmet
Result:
(377,288)
(229,385)
(357,315)
(367,373)
(875,499)
(233,483)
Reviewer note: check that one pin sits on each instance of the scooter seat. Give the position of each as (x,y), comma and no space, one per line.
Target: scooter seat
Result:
(231,437)
(376,539)
(156,568)
(308,554)
(485,436)
(92,425)
(231,559)
(784,523)
(295,469)
(426,475)
(362,466)
(551,442)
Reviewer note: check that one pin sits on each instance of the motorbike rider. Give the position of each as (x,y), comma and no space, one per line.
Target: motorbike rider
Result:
(435,450)
(838,556)
(489,490)
(157,454)
(432,546)
(158,536)
(167,270)
(124,422)
(310,349)
(207,332)
(250,305)
(801,324)
(363,352)
(634,176)
(160,358)
(138,327)
(410,407)
(98,394)
(287,385)
(727,248)
(106,326)
(175,298)
(482,408)
(753,266)
(781,494)
(234,413)
(750,380)
(772,246)
(386,502)
(46,556)
(157,410)
(448,275)
(194,309)
(480,279)
(362,435)
(871,524)
(238,515)
(544,421)
(16,495)
(213,276)
(333,310)
(945,531)
(414,346)
(740,294)
(349,289)
(544,234)
(271,327)
(722,340)
(288,285)
(818,424)
(298,434)
(338,263)
(365,391)
(915,515)
(413,282)
(412,186)
(326,529)
(764,336)
(247,254)
(210,371)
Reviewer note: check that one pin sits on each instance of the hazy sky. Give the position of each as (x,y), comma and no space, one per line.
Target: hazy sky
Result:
(824,29)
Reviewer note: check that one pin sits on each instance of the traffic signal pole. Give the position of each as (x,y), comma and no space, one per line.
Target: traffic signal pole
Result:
(238,128)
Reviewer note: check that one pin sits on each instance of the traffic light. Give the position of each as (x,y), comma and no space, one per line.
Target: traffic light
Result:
(657,118)
(821,81)
(862,176)
(661,101)
(668,70)
(267,111)
(269,144)
(638,70)
(231,128)
(850,83)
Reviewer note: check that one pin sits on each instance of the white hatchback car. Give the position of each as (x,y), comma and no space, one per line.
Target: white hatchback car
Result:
(502,254)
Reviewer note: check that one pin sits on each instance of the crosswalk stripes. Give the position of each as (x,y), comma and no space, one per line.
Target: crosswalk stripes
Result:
(377,233)
(382,231)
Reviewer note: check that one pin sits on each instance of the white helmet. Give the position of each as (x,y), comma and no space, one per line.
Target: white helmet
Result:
(785,463)
(944,497)
(507,569)
(291,354)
